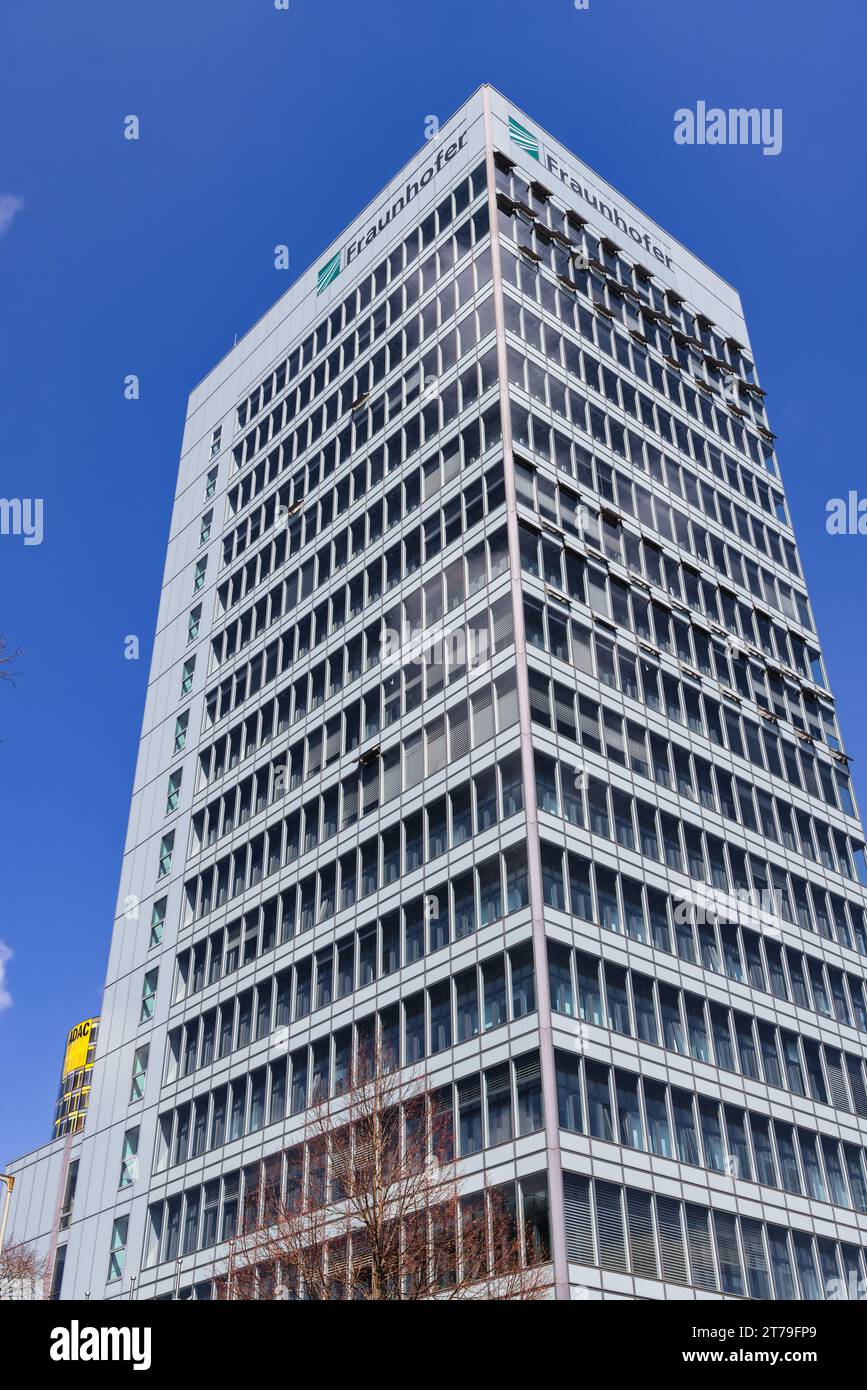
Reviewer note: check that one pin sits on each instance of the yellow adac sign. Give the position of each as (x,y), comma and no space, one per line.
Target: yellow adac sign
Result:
(77,1044)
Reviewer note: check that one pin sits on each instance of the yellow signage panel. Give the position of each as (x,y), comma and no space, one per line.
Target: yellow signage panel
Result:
(77,1044)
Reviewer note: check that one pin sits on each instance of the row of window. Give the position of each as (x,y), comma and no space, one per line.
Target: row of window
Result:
(364,292)
(559,507)
(420,382)
(438,661)
(635,1005)
(403,344)
(622,1229)
(695,779)
(713,911)
(645,828)
(70,1111)
(422,930)
(365,588)
(720,395)
(614,486)
(646,913)
(404,557)
(341,883)
(681,580)
(680,353)
(628,1230)
(570,227)
(379,775)
(679,700)
(596,328)
(496,1106)
(201,1217)
(669,765)
(617,1106)
(632,609)
(437,471)
(717,658)
(476,999)
(616,490)
(360,720)
(449,824)
(441,527)
(367,417)
(283,505)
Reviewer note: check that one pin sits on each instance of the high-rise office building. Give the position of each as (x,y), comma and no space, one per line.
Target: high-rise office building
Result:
(487,715)
(73,1094)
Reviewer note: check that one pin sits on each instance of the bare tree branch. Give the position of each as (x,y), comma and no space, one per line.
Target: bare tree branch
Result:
(5,659)
(21,1269)
(375,1207)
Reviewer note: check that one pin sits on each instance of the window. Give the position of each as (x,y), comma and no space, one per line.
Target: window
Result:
(617,1000)
(467,1005)
(730,1270)
(589,996)
(174,791)
(193,622)
(684,1127)
(628,1110)
(181,730)
(494,982)
(211,483)
(560,977)
(158,922)
(534,1195)
(700,1248)
(523,981)
(205,528)
(129,1158)
(187,680)
(199,575)
(118,1247)
(166,848)
(528,1089)
(148,996)
(658,1132)
(810,1287)
(139,1074)
(645,1013)
(598,1097)
(498,1089)
(568,1072)
(216,441)
(470,1115)
(440,1017)
(781,1263)
(191,1222)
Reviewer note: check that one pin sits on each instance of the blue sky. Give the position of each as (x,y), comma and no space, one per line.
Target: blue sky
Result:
(261,127)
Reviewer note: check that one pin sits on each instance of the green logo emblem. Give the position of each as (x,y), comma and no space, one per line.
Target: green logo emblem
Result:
(327,273)
(523,137)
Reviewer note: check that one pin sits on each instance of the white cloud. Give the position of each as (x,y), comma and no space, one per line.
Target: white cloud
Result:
(10,204)
(5,996)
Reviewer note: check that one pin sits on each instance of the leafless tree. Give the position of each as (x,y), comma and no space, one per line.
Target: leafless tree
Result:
(22,1270)
(6,659)
(375,1207)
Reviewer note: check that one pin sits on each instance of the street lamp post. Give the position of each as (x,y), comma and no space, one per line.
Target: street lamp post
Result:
(9,1180)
